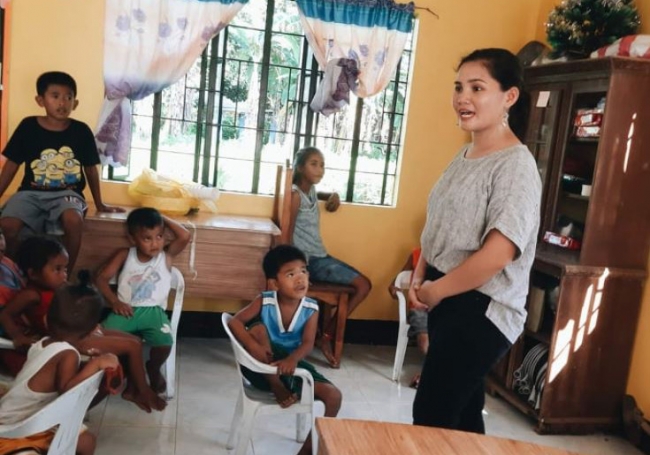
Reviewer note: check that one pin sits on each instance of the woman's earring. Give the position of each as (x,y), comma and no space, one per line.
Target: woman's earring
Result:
(504,119)
(458,121)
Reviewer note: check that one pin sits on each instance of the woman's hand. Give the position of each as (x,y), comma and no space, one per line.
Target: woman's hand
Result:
(427,294)
(414,298)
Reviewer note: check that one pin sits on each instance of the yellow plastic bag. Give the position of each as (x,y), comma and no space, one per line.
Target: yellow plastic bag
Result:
(168,196)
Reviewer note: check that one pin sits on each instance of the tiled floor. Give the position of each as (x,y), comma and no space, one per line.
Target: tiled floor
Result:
(197,421)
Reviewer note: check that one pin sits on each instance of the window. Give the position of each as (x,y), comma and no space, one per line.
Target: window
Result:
(243,108)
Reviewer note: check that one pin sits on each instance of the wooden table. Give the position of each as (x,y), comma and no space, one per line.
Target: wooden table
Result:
(226,251)
(365,437)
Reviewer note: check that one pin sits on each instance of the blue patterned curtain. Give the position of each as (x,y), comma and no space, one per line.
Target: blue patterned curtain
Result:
(149,45)
(371,33)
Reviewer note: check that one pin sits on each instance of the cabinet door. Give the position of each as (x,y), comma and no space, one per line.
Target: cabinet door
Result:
(542,133)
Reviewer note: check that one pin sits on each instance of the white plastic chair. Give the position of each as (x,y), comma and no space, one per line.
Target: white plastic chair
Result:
(253,402)
(6,344)
(402,283)
(178,286)
(66,411)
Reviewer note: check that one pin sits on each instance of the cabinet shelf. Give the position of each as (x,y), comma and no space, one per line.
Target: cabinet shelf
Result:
(577,197)
(584,140)
(495,386)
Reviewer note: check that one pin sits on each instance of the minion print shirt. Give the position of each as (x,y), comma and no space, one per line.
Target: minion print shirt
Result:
(54,160)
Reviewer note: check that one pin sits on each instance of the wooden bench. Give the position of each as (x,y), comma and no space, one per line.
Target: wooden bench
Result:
(334,296)
(223,259)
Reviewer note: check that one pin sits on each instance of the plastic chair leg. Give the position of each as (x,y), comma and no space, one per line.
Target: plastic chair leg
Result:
(302,427)
(246,429)
(235,424)
(170,373)
(400,351)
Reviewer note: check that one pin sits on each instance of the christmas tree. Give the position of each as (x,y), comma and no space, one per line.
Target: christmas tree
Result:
(575,28)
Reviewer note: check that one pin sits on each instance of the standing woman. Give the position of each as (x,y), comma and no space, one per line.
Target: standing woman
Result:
(478,245)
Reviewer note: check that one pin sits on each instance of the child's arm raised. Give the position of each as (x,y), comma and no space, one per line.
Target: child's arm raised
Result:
(108,271)
(24,300)
(238,327)
(287,366)
(181,237)
(332,200)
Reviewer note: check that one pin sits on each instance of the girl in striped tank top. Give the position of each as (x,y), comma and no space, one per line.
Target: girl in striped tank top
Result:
(304,233)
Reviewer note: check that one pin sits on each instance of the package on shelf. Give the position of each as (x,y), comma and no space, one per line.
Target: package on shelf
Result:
(561,241)
(588,131)
(588,117)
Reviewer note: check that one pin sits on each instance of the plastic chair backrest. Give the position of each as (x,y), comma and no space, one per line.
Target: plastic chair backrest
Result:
(242,356)
(403,280)
(67,411)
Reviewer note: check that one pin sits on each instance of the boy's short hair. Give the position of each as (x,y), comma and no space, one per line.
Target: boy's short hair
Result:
(55,78)
(278,256)
(35,252)
(75,308)
(143,217)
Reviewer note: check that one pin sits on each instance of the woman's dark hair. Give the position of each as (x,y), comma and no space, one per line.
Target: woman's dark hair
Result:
(507,70)
(300,160)
(35,252)
(75,308)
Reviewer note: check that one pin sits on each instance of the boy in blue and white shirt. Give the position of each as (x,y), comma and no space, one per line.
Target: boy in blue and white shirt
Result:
(279,328)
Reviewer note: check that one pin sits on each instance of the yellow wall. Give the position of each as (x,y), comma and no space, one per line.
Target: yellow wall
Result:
(640,370)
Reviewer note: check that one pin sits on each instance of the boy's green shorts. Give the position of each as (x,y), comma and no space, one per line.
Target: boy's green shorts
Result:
(149,323)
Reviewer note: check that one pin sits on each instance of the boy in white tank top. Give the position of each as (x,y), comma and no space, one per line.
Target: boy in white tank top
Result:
(52,366)
(143,285)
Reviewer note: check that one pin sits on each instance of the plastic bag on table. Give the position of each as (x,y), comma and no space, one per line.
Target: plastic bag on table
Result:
(169,196)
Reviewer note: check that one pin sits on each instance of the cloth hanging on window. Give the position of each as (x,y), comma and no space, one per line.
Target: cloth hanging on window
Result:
(149,45)
(333,93)
(371,32)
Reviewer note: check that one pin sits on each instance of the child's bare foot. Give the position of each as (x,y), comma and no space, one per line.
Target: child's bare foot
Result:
(131,395)
(156,379)
(283,396)
(151,399)
(326,348)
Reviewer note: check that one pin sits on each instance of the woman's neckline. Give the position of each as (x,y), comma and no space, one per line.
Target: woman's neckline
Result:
(469,146)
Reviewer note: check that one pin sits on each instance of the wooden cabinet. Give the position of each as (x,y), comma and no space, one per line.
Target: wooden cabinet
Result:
(596,186)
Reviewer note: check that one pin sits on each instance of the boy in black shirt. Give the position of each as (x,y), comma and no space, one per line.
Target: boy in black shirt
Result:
(60,155)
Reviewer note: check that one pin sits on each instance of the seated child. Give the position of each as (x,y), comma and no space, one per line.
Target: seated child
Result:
(44,263)
(11,279)
(143,285)
(304,233)
(279,328)
(53,367)
(59,155)
(417,319)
